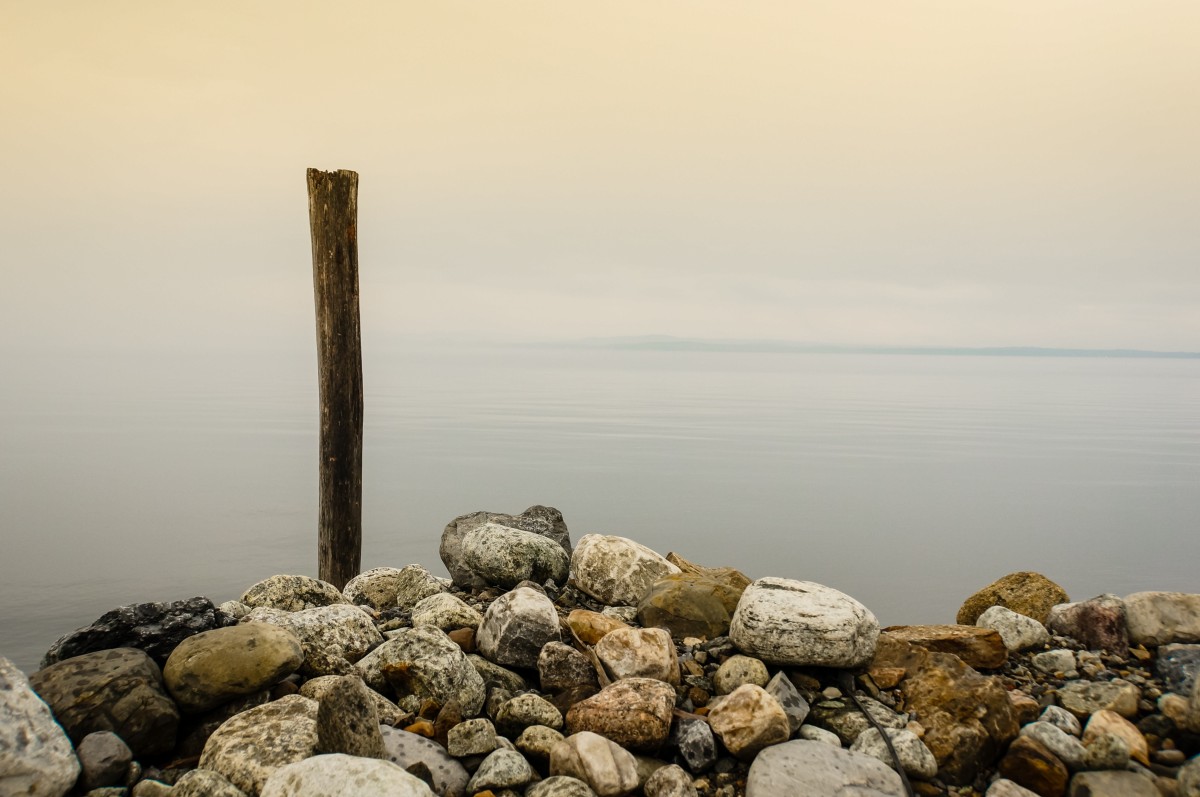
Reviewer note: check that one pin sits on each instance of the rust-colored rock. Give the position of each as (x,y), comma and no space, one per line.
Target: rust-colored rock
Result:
(1026,592)
(590,627)
(633,712)
(1030,763)
(977,647)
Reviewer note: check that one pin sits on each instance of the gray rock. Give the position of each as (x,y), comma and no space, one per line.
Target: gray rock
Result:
(616,570)
(692,738)
(216,666)
(1065,747)
(1084,698)
(389,713)
(1018,631)
(561,666)
(914,756)
(249,747)
(1063,719)
(292,593)
(800,623)
(525,710)
(1111,784)
(1006,788)
(36,757)
(841,716)
(1106,751)
(536,741)
(516,626)
(544,521)
(560,786)
(471,737)
(496,677)
(738,670)
(1177,666)
(504,556)
(811,768)
(153,627)
(416,754)
(502,769)
(347,720)
(794,704)
(607,768)
(1052,661)
(332,637)
(233,610)
(104,759)
(1189,778)
(414,584)
(376,588)
(813,733)
(205,783)
(423,663)
(152,788)
(118,690)
(445,612)
(1157,618)
(639,653)
(340,775)
(669,781)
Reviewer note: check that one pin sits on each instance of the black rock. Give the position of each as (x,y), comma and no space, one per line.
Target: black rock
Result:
(1177,666)
(692,739)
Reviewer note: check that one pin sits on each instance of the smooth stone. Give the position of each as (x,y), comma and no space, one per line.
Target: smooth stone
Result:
(1178,665)
(496,677)
(561,666)
(803,767)
(1018,631)
(607,768)
(789,697)
(915,757)
(1029,763)
(205,783)
(425,757)
(537,741)
(814,733)
(616,570)
(639,653)
(737,671)
(525,710)
(347,720)
(1006,788)
(635,713)
(118,690)
(516,626)
(153,627)
(1063,745)
(1112,723)
(152,788)
(1084,698)
(669,781)
(1158,618)
(542,520)
(339,775)
(292,593)
(692,738)
(733,581)
(376,588)
(446,612)
(977,647)
(560,786)
(471,737)
(1062,719)
(1055,661)
(423,663)
(689,605)
(502,769)
(332,637)
(1112,784)
(36,757)
(1026,592)
(213,667)
(747,720)
(1098,623)
(249,747)
(590,627)
(316,688)
(504,556)
(104,759)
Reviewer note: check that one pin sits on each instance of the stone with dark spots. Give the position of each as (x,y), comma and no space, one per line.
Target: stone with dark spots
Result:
(216,666)
(1098,623)
(635,713)
(249,747)
(292,593)
(1026,592)
(542,520)
(348,721)
(1178,666)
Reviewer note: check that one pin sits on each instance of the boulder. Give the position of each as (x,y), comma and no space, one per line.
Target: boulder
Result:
(801,623)
(340,775)
(423,663)
(1026,592)
(689,605)
(1018,631)
(216,666)
(332,637)
(590,627)
(634,712)
(811,768)
(153,627)
(747,720)
(915,757)
(1157,618)
(604,766)
(516,626)
(104,759)
(1084,698)
(249,747)
(541,520)
(36,757)
(639,653)
(502,769)
(738,670)
(977,647)
(445,612)
(1098,623)
(1030,764)
(504,557)
(347,720)
(616,570)
(426,758)
(292,593)
(118,690)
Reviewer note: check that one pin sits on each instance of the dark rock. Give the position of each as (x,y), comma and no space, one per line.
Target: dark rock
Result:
(692,739)
(194,731)
(1178,666)
(104,759)
(1030,763)
(1099,623)
(347,720)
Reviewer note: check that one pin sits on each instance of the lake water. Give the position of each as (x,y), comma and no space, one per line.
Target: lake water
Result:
(906,481)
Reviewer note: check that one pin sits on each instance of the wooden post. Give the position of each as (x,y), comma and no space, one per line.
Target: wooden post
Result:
(332,215)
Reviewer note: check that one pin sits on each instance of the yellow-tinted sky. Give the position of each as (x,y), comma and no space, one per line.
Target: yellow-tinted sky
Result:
(953,173)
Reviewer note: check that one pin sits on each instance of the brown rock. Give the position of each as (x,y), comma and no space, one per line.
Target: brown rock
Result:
(633,712)
(590,627)
(639,653)
(686,605)
(1026,592)
(747,720)
(1098,623)
(1113,724)
(1025,707)
(464,638)
(977,647)
(1030,763)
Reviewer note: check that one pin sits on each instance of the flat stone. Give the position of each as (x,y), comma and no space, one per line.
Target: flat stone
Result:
(516,626)
(811,768)
(1018,631)
(104,758)
(635,713)
(747,720)
(216,666)
(36,757)
(332,637)
(1158,618)
(616,570)
(801,623)
(1084,698)
(339,775)
(292,593)
(249,747)
(639,653)
(347,720)
(425,758)
(1112,784)
(1026,592)
(1098,623)
(915,757)
(977,647)
(607,768)
(446,612)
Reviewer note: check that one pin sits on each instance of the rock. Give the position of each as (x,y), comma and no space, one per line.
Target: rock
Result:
(205,783)
(1052,661)
(36,757)
(1018,631)
(1112,784)
(813,733)
(801,623)
(1157,618)
(560,786)
(152,788)
(153,627)
(377,588)
(1029,763)
(561,667)
(292,593)
(496,677)
(633,712)
(1027,593)
(341,775)
(1098,623)
(505,557)
(1084,698)
(689,605)
(416,754)
(977,647)
(446,612)
(536,742)
(249,747)
(639,653)
(747,720)
(1062,719)
(524,710)
(605,767)
(617,570)
(104,759)
(1064,746)
(692,738)
(1006,788)
(118,690)
(1189,778)
(793,703)
(516,626)
(347,720)
(810,768)
(542,520)
(233,610)
(471,737)
(915,757)
(502,769)
(841,716)
(332,637)
(199,728)
(423,664)
(737,671)
(1105,751)
(590,627)
(216,666)
(1177,666)
(669,781)
(1109,722)
(388,712)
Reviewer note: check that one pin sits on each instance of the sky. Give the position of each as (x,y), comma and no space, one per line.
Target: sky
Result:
(900,172)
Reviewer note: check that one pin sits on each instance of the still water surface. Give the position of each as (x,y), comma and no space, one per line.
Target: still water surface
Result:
(905,481)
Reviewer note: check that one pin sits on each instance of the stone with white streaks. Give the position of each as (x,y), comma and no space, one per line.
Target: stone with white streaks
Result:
(616,570)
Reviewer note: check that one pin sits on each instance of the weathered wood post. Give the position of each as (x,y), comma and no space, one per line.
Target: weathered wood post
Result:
(332,215)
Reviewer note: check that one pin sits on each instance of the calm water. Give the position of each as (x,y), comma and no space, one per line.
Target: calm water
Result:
(907,482)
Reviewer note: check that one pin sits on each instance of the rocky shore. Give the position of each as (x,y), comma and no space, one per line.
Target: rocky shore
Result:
(601,668)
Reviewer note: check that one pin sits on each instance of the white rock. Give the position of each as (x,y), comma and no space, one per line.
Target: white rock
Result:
(36,757)
(1052,661)
(516,626)
(609,769)
(810,768)
(639,653)
(801,623)
(339,775)
(1018,631)
(1065,747)
(506,556)
(616,570)
(333,637)
(1156,618)
(249,747)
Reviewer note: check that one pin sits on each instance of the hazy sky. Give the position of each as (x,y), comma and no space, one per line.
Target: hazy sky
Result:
(960,173)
